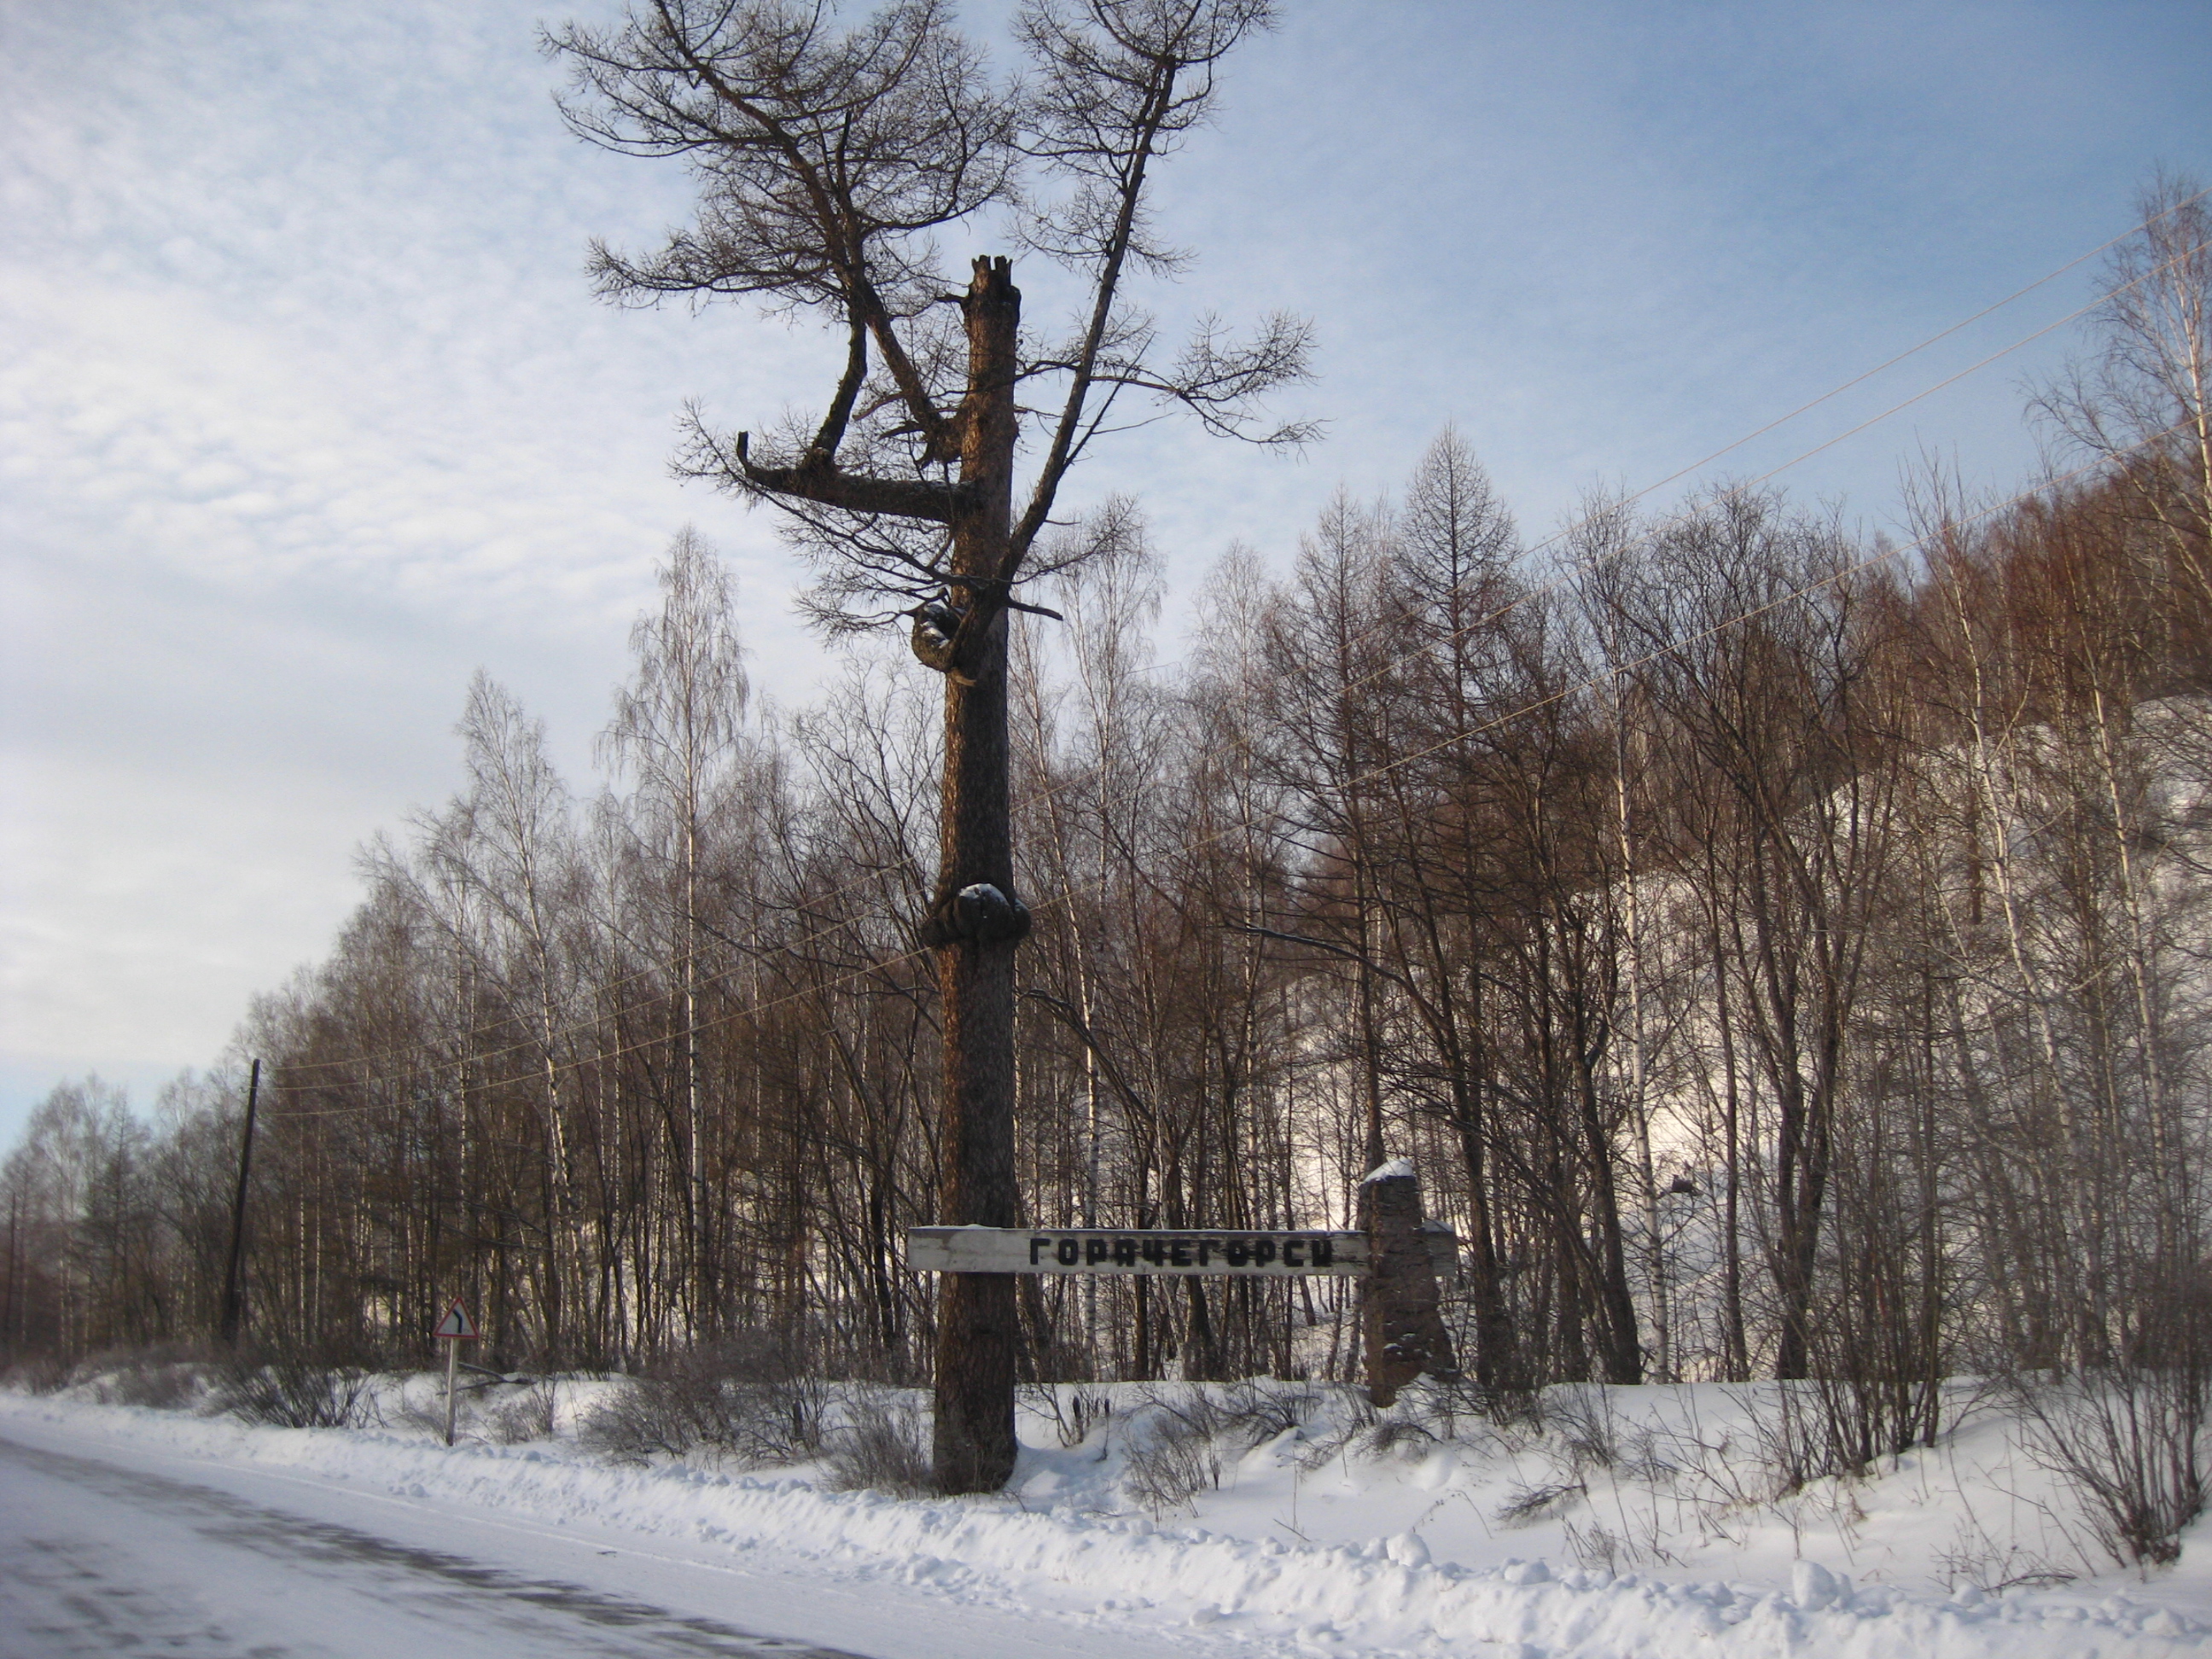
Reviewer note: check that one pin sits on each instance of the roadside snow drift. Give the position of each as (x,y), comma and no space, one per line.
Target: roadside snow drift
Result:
(1397,1551)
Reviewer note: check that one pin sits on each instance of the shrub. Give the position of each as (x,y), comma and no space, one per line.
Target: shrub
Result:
(41,1375)
(163,1378)
(294,1393)
(1442,1404)
(172,1387)
(1258,1410)
(880,1447)
(525,1416)
(1177,1442)
(1075,1421)
(747,1399)
(1168,1458)
(2131,1441)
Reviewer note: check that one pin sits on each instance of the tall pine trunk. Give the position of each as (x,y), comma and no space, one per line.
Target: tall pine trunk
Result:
(978,1331)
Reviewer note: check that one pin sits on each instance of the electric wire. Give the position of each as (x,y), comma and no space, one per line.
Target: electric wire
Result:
(1613,671)
(1524,597)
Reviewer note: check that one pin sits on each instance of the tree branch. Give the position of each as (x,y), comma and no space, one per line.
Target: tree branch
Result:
(849,492)
(1343,950)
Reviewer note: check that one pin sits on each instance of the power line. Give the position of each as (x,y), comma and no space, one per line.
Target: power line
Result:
(1738,490)
(1933,339)
(1590,682)
(1519,600)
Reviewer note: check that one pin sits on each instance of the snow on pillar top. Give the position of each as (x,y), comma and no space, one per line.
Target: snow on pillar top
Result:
(1398,1168)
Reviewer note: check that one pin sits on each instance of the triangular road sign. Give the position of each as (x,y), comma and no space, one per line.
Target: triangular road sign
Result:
(456,1325)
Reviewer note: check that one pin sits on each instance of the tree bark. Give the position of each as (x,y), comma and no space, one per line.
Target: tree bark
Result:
(978,1330)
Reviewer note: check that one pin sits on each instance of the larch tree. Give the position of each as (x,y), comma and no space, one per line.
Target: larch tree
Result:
(827,157)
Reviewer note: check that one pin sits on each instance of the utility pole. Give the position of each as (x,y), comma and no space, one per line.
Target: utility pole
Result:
(10,1324)
(233,1288)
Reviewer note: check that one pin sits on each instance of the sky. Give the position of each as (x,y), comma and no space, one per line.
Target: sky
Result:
(306,412)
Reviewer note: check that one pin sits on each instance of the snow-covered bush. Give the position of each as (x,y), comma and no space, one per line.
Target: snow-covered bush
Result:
(293,1392)
(530,1413)
(1074,1419)
(881,1446)
(1168,1458)
(1179,1440)
(161,1378)
(746,1399)
(41,1374)
(2132,1442)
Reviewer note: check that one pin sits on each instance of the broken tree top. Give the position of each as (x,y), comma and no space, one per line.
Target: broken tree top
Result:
(1134,1250)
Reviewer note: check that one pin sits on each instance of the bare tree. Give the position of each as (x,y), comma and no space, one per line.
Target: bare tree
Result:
(2142,399)
(679,732)
(825,159)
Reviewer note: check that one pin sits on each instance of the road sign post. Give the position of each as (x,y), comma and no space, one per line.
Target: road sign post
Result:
(455,1328)
(1401,1256)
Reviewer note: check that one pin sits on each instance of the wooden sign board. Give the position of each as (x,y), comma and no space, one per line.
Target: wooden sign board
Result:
(1139,1250)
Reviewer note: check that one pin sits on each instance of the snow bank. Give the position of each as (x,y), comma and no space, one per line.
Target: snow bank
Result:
(1225,1587)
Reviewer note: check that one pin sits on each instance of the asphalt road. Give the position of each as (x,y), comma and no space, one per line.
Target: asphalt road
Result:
(99,1560)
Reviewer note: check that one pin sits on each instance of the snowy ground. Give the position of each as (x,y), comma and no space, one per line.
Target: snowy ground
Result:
(1635,1530)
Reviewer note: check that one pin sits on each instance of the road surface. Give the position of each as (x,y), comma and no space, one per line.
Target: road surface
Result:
(99,1560)
(108,1549)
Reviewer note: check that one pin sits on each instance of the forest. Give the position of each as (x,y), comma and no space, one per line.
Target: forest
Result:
(1779,947)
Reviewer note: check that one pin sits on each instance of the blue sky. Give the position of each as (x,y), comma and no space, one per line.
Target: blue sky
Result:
(306,412)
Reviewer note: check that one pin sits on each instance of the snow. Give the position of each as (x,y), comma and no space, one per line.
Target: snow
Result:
(1636,1530)
(1398,1168)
